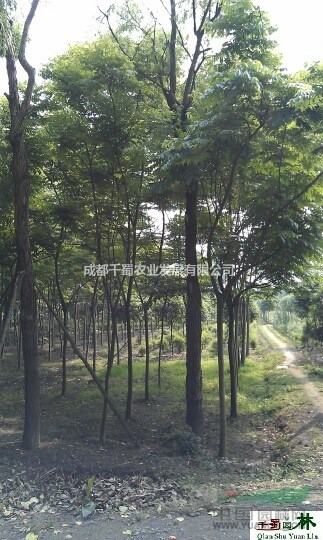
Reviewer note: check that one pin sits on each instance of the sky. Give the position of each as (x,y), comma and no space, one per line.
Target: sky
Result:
(59,23)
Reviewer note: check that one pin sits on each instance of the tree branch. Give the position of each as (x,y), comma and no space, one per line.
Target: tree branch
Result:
(23,61)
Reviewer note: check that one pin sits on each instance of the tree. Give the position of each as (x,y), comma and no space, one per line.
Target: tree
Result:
(158,57)
(19,108)
(255,195)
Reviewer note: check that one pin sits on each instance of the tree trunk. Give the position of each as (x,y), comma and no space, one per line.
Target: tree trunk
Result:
(21,180)
(223,423)
(194,411)
(232,360)
(243,331)
(147,397)
(248,327)
(64,354)
(28,303)
(129,347)
(161,345)
(19,350)
(9,309)
(94,320)
(236,332)
(111,349)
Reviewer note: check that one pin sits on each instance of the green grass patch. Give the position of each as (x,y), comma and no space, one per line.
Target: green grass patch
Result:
(315,371)
(263,388)
(285,495)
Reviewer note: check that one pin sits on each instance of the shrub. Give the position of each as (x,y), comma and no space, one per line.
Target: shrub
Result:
(184,442)
(206,337)
(141,350)
(178,342)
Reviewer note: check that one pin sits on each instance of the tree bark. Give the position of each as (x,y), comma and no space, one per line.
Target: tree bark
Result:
(223,421)
(194,410)
(21,180)
(130,360)
(28,304)
(14,293)
(232,360)
(147,359)
(111,349)
(248,327)
(243,331)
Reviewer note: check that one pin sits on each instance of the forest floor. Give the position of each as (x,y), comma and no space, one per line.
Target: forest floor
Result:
(73,487)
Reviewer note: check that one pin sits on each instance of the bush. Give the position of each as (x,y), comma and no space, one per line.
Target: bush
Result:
(206,337)
(315,370)
(184,443)
(178,343)
(141,350)
(213,347)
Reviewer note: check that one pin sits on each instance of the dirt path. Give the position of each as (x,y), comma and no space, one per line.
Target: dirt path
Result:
(313,393)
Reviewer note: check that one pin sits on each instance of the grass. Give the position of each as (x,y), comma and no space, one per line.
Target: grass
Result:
(262,389)
(259,452)
(315,371)
(285,495)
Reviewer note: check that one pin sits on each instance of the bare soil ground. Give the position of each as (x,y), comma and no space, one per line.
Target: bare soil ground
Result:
(153,492)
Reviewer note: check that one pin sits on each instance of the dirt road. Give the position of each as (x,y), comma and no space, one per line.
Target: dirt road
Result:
(315,396)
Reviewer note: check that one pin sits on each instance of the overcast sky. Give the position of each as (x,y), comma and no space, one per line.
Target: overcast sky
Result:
(59,23)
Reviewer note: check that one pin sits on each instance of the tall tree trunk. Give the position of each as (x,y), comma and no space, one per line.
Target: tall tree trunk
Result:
(9,309)
(243,331)
(236,332)
(64,354)
(194,411)
(232,360)
(19,350)
(49,329)
(111,349)
(147,397)
(223,422)
(75,321)
(171,336)
(94,320)
(248,326)
(130,362)
(161,343)
(28,303)
(21,180)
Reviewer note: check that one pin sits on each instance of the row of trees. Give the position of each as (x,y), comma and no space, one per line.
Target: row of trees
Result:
(145,148)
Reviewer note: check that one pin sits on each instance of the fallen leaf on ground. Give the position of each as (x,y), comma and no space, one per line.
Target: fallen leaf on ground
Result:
(27,504)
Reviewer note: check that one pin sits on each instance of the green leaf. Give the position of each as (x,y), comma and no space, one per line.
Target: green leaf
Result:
(89,485)
(31,536)
(88,509)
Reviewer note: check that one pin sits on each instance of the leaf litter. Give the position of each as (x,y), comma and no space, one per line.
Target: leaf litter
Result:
(21,495)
